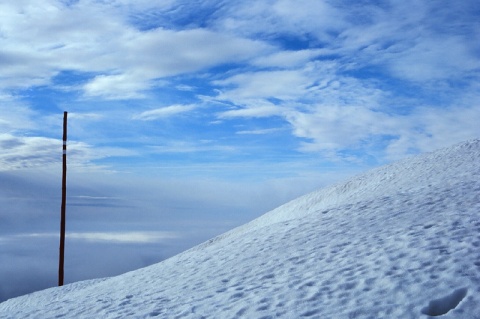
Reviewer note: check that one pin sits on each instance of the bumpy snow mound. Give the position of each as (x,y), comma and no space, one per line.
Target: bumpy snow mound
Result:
(401,241)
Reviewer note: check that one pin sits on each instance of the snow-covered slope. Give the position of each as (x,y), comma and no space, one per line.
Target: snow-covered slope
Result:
(400,241)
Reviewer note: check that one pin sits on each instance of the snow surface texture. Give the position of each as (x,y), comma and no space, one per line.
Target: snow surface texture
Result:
(400,241)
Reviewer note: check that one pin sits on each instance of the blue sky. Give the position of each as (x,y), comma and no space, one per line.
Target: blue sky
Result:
(187,118)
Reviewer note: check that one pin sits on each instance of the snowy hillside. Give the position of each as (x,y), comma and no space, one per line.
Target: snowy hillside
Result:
(400,241)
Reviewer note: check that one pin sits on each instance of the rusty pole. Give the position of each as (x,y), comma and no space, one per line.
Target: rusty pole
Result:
(64,199)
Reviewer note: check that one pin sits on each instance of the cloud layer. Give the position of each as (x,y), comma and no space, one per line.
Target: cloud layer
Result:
(367,70)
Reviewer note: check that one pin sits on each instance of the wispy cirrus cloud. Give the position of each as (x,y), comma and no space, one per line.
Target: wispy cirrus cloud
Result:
(330,128)
(22,152)
(164,112)
(284,85)
(15,116)
(30,152)
(252,109)
(287,59)
(298,21)
(127,237)
(428,128)
(205,146)
(260,132)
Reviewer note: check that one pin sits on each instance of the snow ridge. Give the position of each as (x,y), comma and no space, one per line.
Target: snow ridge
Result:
(410,175)
(400,241)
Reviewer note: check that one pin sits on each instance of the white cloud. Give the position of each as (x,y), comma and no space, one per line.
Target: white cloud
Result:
(161,53)
(432,128)
(332,128)
(304,16)
(22,152)
(164,112)
(36,151)
(96,38)
(191,147)
(15,116)
(260,132)
(297,19)
(284,84)
(253,109)
(302,90)
(415,41)
(412,40)
(42,39)
(125,237)
(85,116)
(119,237)
(429,59)
(315,82)
(115,87)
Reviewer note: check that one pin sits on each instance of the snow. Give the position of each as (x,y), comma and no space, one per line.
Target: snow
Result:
(400,241)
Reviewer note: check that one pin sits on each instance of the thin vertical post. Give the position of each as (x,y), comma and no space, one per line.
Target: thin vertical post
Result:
(64,199)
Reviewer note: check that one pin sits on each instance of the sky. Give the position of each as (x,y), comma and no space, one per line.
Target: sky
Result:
(187,118)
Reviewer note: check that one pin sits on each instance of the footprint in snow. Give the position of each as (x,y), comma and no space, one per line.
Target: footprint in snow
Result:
(441,306)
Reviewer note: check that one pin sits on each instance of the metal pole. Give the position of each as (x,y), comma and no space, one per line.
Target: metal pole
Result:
(64,197)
